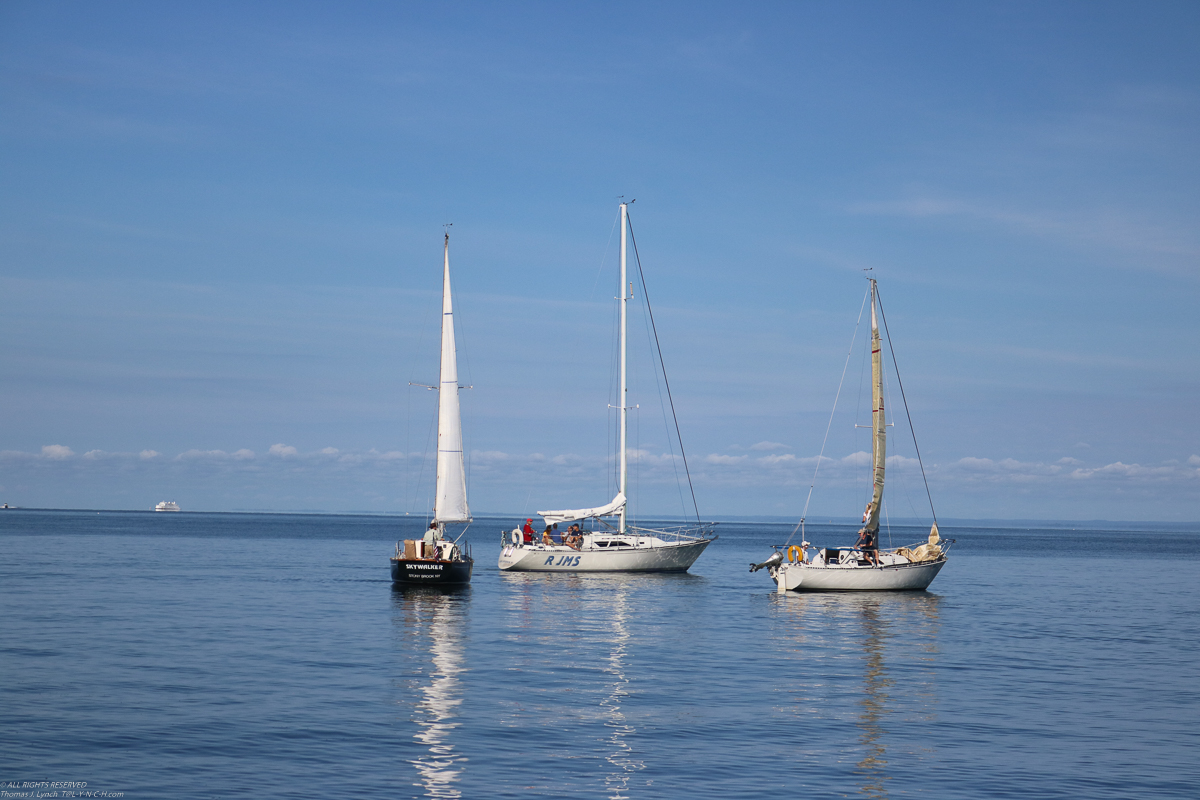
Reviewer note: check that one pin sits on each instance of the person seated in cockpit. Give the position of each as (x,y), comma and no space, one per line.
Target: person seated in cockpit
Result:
(546,536)
(573,537)
(866,543)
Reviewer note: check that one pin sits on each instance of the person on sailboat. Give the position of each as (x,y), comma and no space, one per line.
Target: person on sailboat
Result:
(546,536)
(527,531)
(432,535)
(866,543)
(574,537)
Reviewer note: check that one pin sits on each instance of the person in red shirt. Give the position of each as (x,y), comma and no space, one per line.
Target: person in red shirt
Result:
(527,531)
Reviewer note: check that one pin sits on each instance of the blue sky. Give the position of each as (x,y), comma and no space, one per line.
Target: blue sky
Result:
(220,244)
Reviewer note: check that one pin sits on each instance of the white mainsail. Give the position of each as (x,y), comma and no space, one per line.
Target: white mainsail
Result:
(450,503)
(617,506)
(878,423)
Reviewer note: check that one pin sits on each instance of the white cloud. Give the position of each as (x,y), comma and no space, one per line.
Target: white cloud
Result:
(57,451)
(646,457)
(785,469)
(329,451)
(1194,460)
(149,454)
(768,446)
(1095,228)
(859,459)
(243,454)
(188,455)
(93,454)
(282,450)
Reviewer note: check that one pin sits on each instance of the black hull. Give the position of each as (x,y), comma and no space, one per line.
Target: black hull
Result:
(428,572)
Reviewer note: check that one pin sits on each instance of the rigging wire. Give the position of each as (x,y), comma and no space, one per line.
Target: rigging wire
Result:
(613,421)
(829,425)
(412,493)
(911,429)
(662,364)
(667,428)
(603,258)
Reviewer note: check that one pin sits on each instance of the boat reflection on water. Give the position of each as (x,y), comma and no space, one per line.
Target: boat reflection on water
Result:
(430,623)
(621,758)
(876,629)
(594,661)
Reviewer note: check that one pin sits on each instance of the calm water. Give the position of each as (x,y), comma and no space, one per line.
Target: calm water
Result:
(221,656)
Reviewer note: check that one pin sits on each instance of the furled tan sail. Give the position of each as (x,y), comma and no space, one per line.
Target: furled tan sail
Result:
(878,422)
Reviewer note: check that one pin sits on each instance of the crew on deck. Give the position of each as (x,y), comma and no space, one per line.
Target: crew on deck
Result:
(866,543)
(432,536)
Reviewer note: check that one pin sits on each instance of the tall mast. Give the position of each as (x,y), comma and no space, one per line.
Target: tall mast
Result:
(623,397)
(878,423)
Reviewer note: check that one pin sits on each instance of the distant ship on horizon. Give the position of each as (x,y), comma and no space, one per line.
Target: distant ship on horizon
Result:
(167,505)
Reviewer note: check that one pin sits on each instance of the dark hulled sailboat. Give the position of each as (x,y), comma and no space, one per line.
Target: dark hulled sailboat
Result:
(436,560)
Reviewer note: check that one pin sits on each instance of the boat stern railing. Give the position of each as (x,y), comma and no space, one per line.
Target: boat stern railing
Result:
(678,534)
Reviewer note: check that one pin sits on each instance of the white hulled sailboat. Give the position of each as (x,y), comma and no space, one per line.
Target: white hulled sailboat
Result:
(606,547)
(862,567)
(436,559)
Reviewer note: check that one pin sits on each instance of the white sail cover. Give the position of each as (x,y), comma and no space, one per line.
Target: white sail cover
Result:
(570,515)
(450,504)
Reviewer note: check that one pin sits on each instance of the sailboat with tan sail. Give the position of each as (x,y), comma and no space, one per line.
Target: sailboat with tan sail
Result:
(863,567)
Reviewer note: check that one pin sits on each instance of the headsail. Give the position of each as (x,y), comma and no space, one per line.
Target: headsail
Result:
(450,503)
(878,423)
(617,506)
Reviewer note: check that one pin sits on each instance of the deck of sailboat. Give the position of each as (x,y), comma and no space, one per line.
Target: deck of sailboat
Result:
(607,552)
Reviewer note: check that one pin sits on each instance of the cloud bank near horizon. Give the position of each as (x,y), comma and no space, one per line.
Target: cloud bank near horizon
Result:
(284,478)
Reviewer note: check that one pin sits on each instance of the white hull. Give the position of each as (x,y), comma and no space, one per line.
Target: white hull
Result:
(800,577)
(646,554)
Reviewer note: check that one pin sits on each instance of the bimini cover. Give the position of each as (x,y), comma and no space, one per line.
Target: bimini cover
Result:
(570,515)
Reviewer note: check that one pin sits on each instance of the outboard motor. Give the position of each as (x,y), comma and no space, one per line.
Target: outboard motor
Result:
(773,561)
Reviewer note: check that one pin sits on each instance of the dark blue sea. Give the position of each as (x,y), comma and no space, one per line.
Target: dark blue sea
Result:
(268,656)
